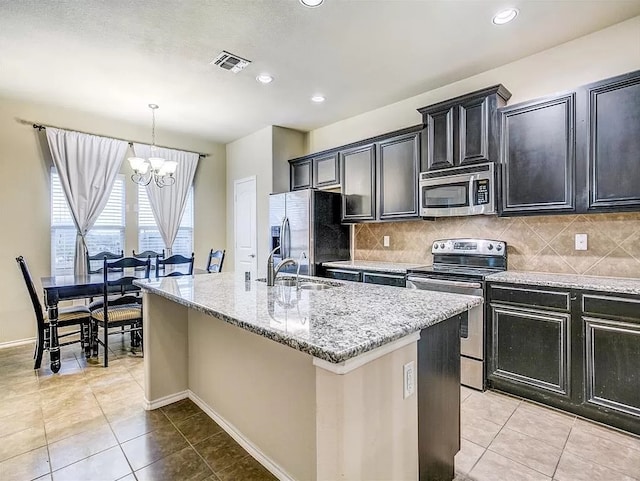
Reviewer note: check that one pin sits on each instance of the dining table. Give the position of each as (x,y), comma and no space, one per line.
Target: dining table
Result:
(71,287)
(68,288)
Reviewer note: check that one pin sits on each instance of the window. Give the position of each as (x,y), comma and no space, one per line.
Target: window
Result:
(107,234)
(149,237)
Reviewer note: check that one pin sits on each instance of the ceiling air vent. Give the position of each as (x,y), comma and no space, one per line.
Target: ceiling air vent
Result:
(229,61)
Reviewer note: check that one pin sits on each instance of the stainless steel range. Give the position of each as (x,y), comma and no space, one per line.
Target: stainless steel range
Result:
(460,266)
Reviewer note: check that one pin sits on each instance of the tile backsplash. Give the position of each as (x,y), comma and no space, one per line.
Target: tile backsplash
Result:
(540,243)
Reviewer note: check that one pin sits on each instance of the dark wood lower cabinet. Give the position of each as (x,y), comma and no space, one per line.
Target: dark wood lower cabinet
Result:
(519,336)
(583,357)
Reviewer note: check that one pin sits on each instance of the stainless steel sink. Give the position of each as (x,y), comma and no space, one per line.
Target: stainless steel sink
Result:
(286,282)
(314,286)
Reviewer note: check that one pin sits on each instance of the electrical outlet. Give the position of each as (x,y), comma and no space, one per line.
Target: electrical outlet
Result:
(409,379)
(385,241)
(581,242)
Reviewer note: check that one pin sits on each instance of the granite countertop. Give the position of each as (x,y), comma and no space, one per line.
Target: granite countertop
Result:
(395,267)
(333,324)
(618,285)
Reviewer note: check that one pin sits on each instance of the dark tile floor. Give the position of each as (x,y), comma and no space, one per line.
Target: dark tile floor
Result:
(88,423)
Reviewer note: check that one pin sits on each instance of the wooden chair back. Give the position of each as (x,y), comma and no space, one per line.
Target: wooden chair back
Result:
(175,260)
(35,300)
(216,258)
(101,256)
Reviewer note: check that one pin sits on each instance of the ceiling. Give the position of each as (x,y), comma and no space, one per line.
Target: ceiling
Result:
(118,56)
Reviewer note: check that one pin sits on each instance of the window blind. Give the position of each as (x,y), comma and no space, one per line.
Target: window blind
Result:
(107,233)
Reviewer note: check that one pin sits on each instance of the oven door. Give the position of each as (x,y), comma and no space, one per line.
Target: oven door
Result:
(471,332)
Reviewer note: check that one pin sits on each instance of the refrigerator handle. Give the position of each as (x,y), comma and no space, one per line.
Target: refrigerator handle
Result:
(284,219)
(288,238)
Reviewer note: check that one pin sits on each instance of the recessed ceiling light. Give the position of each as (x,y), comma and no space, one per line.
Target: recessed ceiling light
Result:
(505,16)
(311,3)
(318,99)
(264,78)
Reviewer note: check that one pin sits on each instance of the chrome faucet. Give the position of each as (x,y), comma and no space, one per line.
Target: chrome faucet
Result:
(303,255)
(272,272)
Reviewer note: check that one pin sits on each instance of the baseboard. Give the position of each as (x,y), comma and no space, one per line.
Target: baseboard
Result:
(251,448)
(164,401)
(19,342)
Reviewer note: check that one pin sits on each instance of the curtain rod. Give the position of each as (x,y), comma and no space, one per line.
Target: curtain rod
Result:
(41,127)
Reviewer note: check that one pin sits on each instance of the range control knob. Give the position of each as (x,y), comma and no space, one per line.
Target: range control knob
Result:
(435,245)
(442,245)
(499,247)
(490,247)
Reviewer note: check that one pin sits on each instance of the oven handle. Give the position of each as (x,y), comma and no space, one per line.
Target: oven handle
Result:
(442,282)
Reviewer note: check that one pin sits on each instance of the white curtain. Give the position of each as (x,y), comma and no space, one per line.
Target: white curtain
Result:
(87,166)
(168,203)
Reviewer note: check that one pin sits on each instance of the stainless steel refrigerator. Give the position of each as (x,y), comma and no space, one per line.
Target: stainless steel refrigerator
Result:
(308,221)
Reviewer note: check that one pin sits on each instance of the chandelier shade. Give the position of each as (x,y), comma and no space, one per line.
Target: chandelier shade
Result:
(156,169)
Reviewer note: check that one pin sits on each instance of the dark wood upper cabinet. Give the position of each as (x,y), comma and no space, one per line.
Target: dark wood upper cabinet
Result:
(358,183)
(326,170)
(300,174)
(398,163)
(463,130)
(440,140)
(538,156)
(610,143)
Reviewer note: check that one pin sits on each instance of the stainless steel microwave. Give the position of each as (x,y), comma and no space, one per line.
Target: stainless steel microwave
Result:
(458,191)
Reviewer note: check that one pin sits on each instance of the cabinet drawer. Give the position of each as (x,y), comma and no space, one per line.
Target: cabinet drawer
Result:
(611,307)
(343,275)
(558,300)
(396,280)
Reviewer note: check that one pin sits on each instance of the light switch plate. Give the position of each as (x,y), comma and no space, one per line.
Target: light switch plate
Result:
(581,242)
(385,241)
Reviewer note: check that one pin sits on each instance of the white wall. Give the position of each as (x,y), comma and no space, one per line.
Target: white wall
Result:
(612,51)
(248,156)
(25,205)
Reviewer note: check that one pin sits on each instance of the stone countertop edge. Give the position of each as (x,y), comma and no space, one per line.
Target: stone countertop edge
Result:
(615,285)
(331,355)
(373,266)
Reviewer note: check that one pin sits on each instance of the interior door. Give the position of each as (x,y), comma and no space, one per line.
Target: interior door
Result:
(245,231)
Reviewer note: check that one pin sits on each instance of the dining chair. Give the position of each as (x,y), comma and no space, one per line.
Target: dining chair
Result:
(101,257)
(120,307)
(175,260)
(67,316)
(216,258)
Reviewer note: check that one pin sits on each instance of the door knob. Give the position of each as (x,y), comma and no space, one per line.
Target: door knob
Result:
(252,255)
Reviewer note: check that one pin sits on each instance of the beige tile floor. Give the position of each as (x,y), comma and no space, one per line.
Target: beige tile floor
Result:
(508,439)
(88,423)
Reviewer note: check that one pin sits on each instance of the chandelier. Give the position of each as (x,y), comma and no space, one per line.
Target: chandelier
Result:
(154,168)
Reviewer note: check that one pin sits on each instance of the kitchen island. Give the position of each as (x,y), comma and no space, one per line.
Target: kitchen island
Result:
(312,381)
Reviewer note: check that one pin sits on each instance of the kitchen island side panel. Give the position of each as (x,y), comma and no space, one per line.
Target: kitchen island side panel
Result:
(264,389)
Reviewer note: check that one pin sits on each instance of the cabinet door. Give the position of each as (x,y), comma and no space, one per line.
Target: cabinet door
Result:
(538,157)
(440,139)
(473,130)
(398,160)
(300,175)
(358,183)
(326,170)
(611,329)
(531,347)
(613,143)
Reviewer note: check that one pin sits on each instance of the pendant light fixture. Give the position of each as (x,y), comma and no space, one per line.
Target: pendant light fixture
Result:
(155,168)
